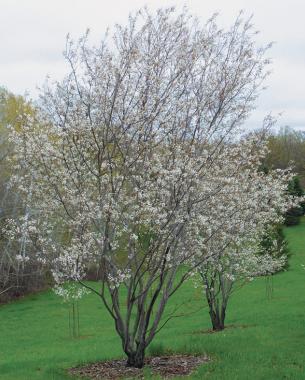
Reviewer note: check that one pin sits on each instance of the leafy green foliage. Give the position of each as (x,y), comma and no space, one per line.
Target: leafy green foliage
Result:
(287,148)
(295,188)
(274,243)
(292,216)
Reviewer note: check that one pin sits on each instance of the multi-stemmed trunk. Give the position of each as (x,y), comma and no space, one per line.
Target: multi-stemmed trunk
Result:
(147,296)
(217,291)
(217,316)
(136,358)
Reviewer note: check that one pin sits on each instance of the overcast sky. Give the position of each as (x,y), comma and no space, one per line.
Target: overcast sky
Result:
(32,38)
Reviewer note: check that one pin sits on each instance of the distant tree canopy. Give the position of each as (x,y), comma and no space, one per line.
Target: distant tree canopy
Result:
(15,279)
(13,111)
(287,149)
(293,215)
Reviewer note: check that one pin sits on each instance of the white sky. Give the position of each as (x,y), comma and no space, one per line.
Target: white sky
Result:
(33,32)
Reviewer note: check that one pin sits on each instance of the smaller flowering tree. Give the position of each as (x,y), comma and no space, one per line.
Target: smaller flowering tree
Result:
(251,202)
(71,293)
(19,270)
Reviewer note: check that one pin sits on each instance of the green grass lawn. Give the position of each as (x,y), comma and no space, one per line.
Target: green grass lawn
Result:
(266,340)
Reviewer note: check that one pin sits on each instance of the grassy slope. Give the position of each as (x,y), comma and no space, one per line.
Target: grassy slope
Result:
(267,341)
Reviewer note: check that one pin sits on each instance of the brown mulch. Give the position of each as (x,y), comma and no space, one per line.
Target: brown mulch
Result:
(164,366)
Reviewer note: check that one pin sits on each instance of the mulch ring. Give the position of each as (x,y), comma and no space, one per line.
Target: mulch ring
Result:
(164,366)
(211,331)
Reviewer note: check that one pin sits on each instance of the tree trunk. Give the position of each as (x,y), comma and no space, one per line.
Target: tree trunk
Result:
(217,318)
(136,359)
(217,323)
(217,301)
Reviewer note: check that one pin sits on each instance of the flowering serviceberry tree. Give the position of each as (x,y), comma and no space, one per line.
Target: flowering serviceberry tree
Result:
(19,270)
(122,156)
(250,202)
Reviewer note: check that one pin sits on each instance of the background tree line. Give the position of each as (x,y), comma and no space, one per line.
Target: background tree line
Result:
(287,149)
(16,277)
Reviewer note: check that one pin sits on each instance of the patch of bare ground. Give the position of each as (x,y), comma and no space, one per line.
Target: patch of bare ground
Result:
(164,366)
